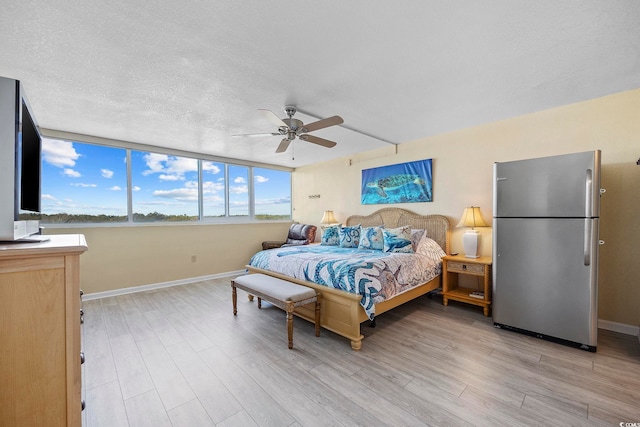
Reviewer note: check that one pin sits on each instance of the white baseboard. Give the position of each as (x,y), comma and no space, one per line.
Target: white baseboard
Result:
(134,289)
(619,327)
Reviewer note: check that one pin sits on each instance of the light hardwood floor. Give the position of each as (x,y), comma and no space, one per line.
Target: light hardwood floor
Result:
(178,357)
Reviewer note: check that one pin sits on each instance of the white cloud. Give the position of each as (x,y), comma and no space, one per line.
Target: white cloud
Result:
(47,197)
(210,187)
(106,173)
(59,153)
(238,189)
(280,201)
(72,173)
(208,200)
(261,179)
(182,164)
(170,168)
(239,180)
(115,188)
(211,167)
(184,194)
(154,162)
(135,188)
(165,177)
(79,184)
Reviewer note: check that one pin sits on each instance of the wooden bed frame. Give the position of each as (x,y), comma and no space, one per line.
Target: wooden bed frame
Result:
(341,311)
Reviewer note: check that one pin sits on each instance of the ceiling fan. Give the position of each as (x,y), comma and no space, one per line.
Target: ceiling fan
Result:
(291,128)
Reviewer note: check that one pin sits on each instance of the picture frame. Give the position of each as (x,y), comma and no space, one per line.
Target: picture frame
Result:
(410,182)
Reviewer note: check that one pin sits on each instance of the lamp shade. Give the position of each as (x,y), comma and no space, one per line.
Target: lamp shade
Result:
(471,217)
(328,218)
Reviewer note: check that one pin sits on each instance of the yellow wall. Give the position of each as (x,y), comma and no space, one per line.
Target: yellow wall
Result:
(122,257)
(462,176)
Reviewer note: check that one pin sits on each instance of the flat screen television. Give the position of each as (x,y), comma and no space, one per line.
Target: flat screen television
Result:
(28,164)
(20,165)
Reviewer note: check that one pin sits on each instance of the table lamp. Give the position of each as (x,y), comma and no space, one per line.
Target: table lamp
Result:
(471,217)
(328,218)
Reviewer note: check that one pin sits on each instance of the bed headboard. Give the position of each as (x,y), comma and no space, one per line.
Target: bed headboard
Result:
(437,226)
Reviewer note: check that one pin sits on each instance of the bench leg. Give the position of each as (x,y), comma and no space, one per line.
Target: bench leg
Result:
(290,328)
(234,298)
(259,302)
(290,324)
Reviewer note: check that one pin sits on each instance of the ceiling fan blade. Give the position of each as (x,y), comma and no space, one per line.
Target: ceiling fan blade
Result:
(284,144)
(270,115)
(324,123)
(317,140)
(257,134)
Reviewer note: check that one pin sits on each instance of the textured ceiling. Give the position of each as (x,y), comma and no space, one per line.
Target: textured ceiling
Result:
(189,74)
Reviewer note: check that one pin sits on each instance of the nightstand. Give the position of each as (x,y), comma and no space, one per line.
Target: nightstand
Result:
(454,265)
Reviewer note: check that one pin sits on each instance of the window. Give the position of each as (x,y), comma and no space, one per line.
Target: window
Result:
(83,182)
(213,189)
(272,192)
(238,191)
(164,187)
(90,183)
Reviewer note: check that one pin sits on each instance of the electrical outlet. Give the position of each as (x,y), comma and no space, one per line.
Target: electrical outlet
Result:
(194,258)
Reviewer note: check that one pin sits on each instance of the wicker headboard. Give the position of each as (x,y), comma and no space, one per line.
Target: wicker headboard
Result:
(437,226)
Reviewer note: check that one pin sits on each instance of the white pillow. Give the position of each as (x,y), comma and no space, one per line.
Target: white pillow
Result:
(416,236)
(430,248)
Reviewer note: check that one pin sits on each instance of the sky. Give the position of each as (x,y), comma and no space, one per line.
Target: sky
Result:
(80,178)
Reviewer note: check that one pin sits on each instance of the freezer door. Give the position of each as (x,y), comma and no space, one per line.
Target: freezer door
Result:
(545,276)
(566,186)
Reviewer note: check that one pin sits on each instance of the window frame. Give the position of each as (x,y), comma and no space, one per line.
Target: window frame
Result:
(200,157)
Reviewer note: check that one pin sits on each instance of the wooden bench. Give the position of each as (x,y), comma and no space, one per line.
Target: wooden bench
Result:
(282,294)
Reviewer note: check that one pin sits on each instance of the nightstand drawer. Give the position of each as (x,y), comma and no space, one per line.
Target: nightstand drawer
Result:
(460,267)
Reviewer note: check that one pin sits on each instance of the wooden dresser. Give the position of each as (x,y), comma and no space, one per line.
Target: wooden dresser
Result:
(40,374)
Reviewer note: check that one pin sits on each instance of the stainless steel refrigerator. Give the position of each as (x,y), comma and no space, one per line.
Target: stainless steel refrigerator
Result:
(545,247)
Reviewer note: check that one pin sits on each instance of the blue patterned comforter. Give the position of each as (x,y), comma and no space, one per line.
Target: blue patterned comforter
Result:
(375,275)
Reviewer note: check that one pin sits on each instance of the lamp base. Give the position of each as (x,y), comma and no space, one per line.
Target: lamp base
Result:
(470,243)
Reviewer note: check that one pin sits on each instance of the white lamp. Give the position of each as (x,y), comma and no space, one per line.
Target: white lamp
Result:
(328,218)
(471,217)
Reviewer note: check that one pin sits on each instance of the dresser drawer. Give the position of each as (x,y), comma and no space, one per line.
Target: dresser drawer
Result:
(461,267)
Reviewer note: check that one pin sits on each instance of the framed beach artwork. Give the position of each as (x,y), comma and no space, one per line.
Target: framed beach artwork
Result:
(409,182)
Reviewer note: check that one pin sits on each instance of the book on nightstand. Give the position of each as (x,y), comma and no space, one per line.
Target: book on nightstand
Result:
(479,295)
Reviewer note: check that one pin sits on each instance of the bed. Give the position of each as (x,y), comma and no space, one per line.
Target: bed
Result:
(342,311)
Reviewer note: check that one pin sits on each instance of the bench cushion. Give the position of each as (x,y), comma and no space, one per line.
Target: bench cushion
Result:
(276,288)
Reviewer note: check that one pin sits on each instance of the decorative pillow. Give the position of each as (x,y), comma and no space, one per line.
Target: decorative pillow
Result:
(416,237)
(430,248)
(349,236)
(397,240)
(371,238)
(330,235)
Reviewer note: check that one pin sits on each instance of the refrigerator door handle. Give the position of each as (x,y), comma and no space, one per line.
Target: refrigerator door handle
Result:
(587,242)
(588,200)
